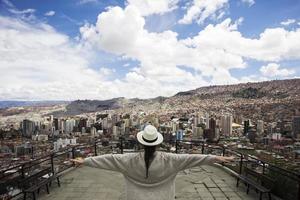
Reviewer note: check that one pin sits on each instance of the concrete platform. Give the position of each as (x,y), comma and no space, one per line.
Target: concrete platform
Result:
(201,183)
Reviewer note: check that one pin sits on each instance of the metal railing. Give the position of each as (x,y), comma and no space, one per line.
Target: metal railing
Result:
(286,182)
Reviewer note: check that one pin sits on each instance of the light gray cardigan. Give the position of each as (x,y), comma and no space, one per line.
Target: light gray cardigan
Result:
(160,185)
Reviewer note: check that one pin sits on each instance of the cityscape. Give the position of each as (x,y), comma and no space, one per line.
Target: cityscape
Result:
(217,77)
(32,132)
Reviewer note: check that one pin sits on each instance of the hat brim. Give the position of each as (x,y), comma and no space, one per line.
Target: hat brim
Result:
(159,140)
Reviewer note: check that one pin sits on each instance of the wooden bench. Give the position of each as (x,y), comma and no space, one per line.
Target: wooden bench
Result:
(34,183)
(255,180)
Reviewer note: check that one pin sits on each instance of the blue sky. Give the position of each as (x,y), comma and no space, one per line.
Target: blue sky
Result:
(142,48)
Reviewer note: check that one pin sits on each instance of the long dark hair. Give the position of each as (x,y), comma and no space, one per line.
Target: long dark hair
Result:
(148,156)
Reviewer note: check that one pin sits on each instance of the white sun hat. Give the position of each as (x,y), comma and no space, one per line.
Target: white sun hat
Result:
(149,136)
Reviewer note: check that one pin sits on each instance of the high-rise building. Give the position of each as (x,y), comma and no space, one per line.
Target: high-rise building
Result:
(226,125)
(260,127)
(82,124)
(246,126)
(207,120)
(271,128)
(55,123)
(208,134)
(28,128)
(115,132)
(212,126)
(179,134)
(70,124)
(197,132)
(296,126)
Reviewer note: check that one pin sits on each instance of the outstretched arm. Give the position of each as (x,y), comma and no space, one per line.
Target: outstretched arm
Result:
(109,162)
(185,161)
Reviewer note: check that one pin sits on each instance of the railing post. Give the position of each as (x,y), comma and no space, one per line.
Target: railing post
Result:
(121,144)
(298,187)
(22,171)
(95,148)
(52,163)
(241,164)
(32,154)
(73,152)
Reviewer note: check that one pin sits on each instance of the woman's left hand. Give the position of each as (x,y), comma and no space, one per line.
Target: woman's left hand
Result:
(225,159)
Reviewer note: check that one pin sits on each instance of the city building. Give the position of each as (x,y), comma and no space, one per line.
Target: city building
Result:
(260,127)
(226,125)
(296,126)
(28,128)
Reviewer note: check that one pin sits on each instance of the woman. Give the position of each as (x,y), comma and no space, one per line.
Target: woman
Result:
(150,175)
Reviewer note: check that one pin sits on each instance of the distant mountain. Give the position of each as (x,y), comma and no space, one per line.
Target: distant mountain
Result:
(266,100)
(86,106)
(9,104)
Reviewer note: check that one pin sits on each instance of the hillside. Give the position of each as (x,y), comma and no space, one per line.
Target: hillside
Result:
(267,100)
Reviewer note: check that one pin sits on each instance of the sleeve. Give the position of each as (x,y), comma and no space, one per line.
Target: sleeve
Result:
(113,162)
(185,161)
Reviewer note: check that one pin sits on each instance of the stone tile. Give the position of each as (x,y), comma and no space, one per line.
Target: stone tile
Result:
(205,183)
(231,194)
(218,195)
(214,190)
(205,195)
(207,198)
(226,189)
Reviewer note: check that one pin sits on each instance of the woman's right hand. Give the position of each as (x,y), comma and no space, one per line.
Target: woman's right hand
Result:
(77,161)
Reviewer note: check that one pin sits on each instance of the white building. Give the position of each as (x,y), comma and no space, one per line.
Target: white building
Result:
(260,127)
(70,124)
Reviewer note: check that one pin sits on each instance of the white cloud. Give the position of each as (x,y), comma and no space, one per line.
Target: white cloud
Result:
(249,2)
(203,9)
(26,14)
(50,13)
(81,2)
(273,44)
(273,70)
(149,7)
(26,11)
(159,53)
(212,53)
(37,62)
(288,22)
(106,71)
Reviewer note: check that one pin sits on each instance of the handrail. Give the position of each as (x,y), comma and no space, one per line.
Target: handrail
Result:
(26,165)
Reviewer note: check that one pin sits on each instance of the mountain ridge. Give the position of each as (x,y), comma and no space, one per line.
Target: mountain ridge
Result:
(223,96)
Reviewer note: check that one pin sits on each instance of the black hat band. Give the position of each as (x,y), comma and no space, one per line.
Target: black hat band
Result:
(149,141)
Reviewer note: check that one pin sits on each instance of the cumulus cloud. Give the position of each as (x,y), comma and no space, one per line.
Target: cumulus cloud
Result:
(288,22)
(273,70)
(249,2)
(160,54)
(149,7)
(50,13)
(37,62)
(273,44)
(200,10)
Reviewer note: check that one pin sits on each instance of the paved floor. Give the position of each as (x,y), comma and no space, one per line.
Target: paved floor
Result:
(205,183)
